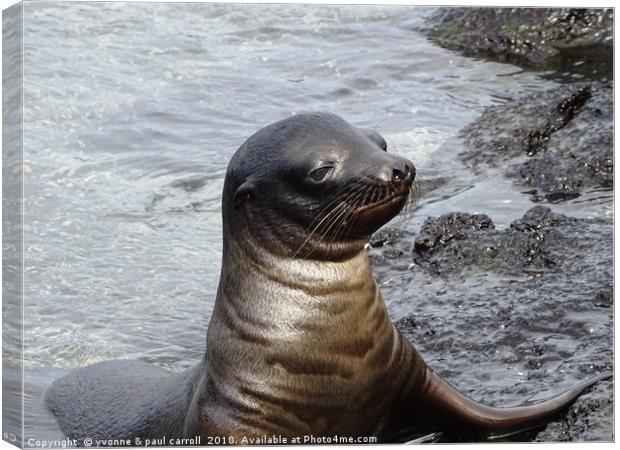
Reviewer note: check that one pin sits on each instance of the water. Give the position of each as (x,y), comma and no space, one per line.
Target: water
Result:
(131,114)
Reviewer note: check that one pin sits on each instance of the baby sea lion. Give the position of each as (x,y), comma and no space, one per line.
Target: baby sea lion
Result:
(299,342)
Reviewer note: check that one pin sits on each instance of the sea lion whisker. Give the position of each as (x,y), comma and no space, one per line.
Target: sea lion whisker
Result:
(344,224)
(352,201)
(412,200)
(345,197)
(352,207)
(330,224)
(338,198)
(342,198)
(376,194)
(327,217)
(368,198)
(409,208)
(345,227)
(343,206)
(335,222)
(351,221)
(363,198)
(403,218)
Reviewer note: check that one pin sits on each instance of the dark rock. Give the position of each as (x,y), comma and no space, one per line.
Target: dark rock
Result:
(586,420)
(566,110)
(397,247)
(385,235)
(437,232)
(532,245)
(532,37)
(558,142)
(519,324)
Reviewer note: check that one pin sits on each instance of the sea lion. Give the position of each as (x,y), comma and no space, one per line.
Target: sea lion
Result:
(299,342)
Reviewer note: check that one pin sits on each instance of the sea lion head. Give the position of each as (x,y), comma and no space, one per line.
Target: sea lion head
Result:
(313,186)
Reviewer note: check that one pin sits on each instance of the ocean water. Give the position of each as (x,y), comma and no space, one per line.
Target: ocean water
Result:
(131,114)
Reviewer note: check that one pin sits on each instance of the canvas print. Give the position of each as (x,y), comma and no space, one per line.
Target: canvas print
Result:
(248,224)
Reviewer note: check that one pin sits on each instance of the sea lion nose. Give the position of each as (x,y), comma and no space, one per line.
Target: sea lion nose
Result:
(396,170)
(403,172)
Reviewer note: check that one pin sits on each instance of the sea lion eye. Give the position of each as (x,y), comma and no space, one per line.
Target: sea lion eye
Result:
(321,173)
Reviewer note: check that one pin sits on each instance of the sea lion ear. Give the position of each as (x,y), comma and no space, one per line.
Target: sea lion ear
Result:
(376,138)
(243,193)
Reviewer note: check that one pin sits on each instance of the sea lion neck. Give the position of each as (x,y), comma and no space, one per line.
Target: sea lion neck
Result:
(250,261)
(318,329)
(271,236)
(277,296)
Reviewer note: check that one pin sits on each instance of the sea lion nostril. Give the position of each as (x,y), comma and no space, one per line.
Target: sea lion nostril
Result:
(398,176)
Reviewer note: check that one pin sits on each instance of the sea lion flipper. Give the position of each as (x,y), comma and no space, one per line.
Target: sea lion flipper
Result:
(441,406)
(120,399)
(539,414)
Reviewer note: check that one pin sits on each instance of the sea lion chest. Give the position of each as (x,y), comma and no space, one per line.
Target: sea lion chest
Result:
(306,349)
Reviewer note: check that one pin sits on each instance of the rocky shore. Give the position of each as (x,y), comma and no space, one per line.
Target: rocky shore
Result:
(535,38)
(515,313)
(555,143)
(532,301)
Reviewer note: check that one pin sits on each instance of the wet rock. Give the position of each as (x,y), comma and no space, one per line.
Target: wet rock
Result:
(532,245)
(522,322)
(386,236)
(565,111)
(397,246)
(438,232)
(568,38)
(557,142)
(587,420)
